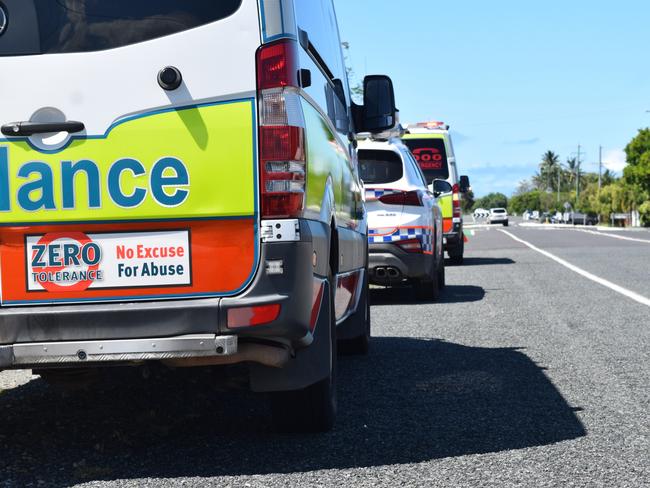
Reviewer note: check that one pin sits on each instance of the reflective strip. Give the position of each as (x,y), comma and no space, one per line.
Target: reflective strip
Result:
(384,231)
(447,225)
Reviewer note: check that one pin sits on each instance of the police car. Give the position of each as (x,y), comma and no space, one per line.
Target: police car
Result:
(404,218)
(178,184)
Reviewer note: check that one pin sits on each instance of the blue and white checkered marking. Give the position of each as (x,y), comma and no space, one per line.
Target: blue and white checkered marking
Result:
(402,234)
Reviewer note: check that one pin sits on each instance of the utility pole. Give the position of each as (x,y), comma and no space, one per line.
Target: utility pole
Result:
(600,167)
(578,175)
(559,172)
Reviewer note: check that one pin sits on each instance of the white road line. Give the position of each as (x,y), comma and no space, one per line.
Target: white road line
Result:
(601,281)
(625,238)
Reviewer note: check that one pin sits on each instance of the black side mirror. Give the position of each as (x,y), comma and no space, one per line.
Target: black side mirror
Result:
(378,112)
(464,184)
(440,187)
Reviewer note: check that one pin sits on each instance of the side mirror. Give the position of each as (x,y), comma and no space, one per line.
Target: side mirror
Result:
(378,112)
(464,184)
(440,187)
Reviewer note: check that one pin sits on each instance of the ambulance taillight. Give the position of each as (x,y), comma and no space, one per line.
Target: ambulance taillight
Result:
(457,210)
(281,131)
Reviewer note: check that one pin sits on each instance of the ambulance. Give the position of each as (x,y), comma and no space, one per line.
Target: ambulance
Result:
(430,143)
(179,185)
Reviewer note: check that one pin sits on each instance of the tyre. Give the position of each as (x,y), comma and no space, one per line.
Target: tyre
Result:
(312,409)
(360,345)
(441,271)
(456,254)
(505,224)
(428,288)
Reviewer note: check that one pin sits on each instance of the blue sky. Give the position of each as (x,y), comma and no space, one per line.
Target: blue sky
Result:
(512,78)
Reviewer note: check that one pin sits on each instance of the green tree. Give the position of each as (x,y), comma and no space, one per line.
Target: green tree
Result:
(571,171)
(525,201)
(549,167)
(608,178)
(637,171)
(492,200)
(612,198)
(468,201)
(546,177)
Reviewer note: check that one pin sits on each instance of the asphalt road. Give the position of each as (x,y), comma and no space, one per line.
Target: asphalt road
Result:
(524,374)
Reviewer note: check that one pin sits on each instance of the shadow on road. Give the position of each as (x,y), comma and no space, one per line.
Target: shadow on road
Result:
(409,401)
(485,261)
(401,295)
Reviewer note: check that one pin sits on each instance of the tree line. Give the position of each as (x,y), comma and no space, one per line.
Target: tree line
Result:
(556,183)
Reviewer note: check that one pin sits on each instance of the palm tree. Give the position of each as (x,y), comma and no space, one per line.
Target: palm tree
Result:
(608,177)
(549,167)
(572,165)
(550,159)
(573,169)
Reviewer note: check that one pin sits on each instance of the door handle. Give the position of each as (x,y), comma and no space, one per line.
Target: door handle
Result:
(31,128)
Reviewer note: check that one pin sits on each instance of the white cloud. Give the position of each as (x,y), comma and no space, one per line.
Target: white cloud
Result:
(614,160)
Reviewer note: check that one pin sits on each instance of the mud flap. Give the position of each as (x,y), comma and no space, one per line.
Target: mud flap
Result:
(355,325)
(6,357)
(310,364)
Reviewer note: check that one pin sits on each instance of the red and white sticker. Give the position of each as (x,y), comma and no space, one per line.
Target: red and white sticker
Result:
(74,261)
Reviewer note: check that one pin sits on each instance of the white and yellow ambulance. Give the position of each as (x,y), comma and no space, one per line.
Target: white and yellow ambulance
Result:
(178,183)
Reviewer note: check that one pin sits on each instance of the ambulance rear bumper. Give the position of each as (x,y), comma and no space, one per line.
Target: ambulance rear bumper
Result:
(83,352)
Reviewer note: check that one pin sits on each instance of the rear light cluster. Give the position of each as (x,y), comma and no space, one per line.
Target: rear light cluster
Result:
(410,245)
(277,65)
(457,211)
(282,131)
(410,198)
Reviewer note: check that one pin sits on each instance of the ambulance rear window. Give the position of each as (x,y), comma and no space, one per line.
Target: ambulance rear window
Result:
(431,156)
(73,26)
(379,167)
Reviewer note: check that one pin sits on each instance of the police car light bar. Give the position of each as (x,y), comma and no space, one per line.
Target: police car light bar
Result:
(429,125)
(396,132)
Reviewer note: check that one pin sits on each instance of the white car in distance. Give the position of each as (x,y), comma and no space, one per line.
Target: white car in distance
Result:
(498,216)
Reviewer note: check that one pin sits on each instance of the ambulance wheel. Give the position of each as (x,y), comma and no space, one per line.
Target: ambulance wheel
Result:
(360,321)
(456,254)
(311,409)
